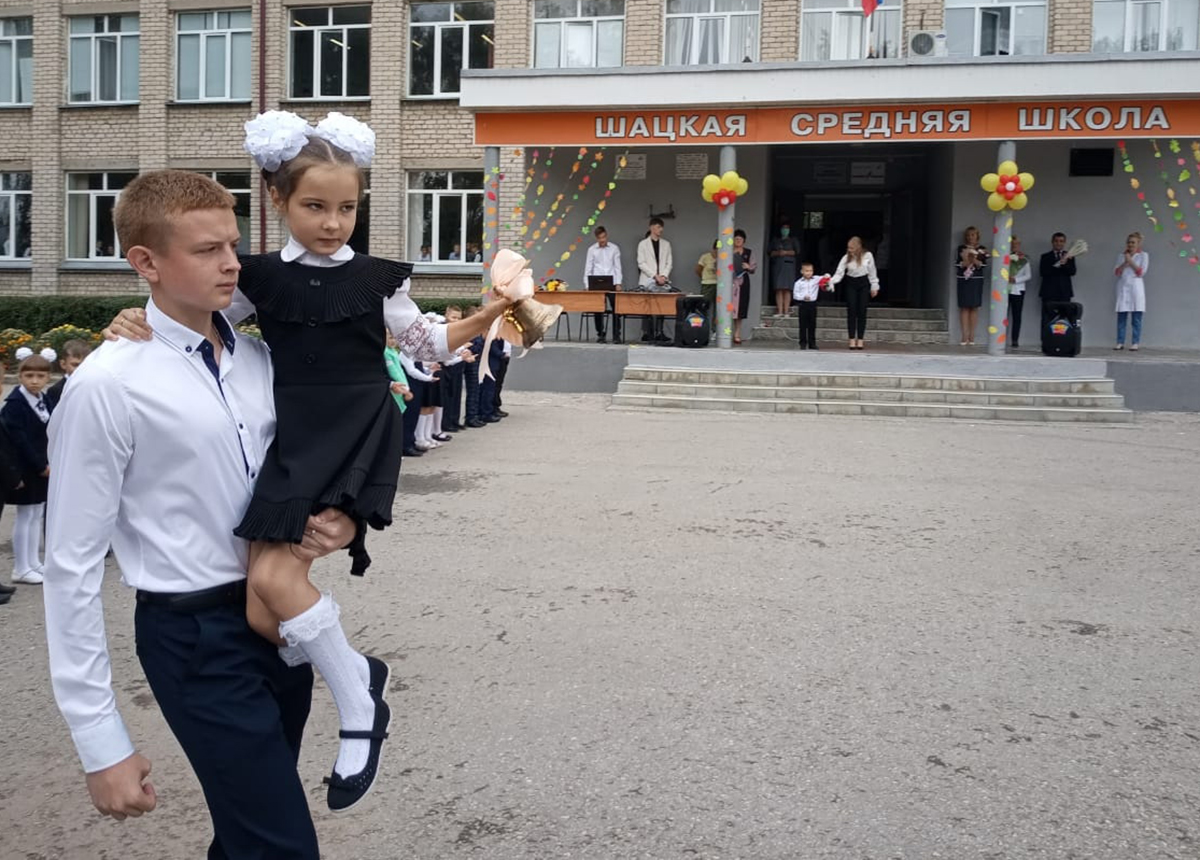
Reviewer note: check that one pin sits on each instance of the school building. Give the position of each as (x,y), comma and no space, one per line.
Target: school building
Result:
(505,122)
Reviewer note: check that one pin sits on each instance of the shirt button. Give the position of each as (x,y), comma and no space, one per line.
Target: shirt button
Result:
(241,426)
(314,283)
(312,322)
(187,349)
(310,359)
(251,474)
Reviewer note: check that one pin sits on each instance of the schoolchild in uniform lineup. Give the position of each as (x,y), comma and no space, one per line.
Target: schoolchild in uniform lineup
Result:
(338,440)
(24,415)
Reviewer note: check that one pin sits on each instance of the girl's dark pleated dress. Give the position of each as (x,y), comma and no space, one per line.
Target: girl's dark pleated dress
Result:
(338,434)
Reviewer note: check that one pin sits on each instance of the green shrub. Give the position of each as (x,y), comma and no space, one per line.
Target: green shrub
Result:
(44,313)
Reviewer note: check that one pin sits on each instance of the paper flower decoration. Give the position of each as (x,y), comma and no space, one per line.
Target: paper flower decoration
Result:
(1006,188)
(723,190)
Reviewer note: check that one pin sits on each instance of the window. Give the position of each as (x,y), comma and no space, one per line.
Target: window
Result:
(91,198)
(987,28)
(331,52)
(1145,25)
(445,215)
(16,61)
(237,183)
(445,39)
(15,201)
(708,32)
(104,59)
(578,33)
(836,30)
(212,56)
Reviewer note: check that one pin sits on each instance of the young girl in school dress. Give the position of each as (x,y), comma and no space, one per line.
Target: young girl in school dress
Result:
(24,416)
(322,309)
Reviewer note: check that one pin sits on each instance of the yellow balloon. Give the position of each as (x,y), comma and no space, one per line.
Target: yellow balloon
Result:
(1026,180)
(996,202)
(743,187)
(707,195)
(1019,202)
(1007,168)
(989,182)
(712,183)
(729,179)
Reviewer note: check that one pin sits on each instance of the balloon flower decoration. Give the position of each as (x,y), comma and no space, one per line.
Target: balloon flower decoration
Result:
(1007,187)
(724,190)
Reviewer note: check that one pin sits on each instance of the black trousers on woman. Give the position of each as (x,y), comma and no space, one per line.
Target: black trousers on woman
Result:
(1016,304)
(858,292)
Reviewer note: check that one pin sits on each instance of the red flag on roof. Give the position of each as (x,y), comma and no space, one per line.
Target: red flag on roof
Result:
(869,7)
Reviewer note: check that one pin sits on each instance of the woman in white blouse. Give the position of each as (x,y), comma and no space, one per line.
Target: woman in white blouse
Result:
(1131,289)
(857,268)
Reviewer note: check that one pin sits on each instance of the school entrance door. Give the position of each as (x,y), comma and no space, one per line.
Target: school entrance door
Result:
(879,194)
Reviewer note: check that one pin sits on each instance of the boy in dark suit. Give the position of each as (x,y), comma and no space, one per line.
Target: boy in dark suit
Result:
(73,354)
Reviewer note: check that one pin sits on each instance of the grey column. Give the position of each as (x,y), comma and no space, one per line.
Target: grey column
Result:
(997,297)
(725,259)
(491,223)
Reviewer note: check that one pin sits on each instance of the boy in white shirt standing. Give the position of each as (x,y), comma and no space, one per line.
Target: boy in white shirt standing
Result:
(805,292)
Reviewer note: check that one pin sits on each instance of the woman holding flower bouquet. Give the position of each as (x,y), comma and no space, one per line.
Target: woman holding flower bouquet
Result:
(1019,273)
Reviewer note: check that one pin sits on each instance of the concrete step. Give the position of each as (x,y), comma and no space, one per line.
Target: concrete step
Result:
(837,324)
(833,310)
(1086,386)
(891,409)
(834,336)
(873,395)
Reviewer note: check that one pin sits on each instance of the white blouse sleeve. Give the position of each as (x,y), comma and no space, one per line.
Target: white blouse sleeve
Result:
(872,274)
(416,336)
(411,370)
(841,271)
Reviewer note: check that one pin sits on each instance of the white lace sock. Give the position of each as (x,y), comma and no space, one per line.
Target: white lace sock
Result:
(293,655)
(27,538)
(422,425)
(318,632)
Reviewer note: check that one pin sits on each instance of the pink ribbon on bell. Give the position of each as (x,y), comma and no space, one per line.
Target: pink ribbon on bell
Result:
(511,279)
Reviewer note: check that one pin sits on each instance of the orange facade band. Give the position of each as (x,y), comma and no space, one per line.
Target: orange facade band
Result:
(879,123)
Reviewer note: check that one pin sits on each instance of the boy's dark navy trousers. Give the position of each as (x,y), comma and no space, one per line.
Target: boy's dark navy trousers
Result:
(238,712)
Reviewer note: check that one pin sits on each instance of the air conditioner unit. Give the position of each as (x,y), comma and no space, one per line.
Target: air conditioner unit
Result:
(927,43)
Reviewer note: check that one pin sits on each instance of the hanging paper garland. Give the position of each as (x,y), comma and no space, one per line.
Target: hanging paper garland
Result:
(1006,187)
(591,220)
(1175,198)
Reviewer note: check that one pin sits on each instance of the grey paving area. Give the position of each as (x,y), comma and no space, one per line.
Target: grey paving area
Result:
(700,635)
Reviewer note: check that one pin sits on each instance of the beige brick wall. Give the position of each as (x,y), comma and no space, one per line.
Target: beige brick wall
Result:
(1070,27)
(643,32)
(436,286)
(200,131)
(432,130)
(18,140)
(780,41)
(102,134)
(14,282)
(100,284)
(514,23)
(922,15)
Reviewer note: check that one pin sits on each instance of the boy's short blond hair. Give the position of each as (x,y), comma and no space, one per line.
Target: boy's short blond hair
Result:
(147,204)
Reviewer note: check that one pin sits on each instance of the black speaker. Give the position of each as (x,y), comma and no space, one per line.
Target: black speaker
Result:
(1062,329)
(692,325)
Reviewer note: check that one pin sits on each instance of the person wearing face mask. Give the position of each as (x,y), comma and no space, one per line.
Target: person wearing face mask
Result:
(784,251)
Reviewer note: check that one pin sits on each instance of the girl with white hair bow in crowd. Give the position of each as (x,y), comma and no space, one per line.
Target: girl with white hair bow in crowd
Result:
(322,308)
(24,417)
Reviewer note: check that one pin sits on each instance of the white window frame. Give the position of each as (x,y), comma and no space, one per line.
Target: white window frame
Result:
(93,195)
(981,7)
(1131,7)
(593,21)
(465,194)
(463,24)
(212,30)
(726,32)
(94,57)
(14,42)
(9,239)
(240,191)
(319,29)
(840,15)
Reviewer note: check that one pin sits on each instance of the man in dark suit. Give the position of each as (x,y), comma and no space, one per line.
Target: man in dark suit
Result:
(1057,267)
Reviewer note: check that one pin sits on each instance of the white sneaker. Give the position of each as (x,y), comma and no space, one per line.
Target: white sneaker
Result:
(29,577)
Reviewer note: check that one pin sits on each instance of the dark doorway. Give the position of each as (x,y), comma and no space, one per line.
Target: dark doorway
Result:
(875,192)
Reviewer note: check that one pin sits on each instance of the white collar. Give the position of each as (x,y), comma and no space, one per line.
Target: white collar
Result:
(33,400)
(294,251)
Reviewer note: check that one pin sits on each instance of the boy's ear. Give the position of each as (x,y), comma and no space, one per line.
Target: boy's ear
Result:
(142,260)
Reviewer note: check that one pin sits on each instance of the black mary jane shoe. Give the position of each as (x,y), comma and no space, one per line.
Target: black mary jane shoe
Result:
(413,452)
(442,437)
(380,673)
(347,792)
